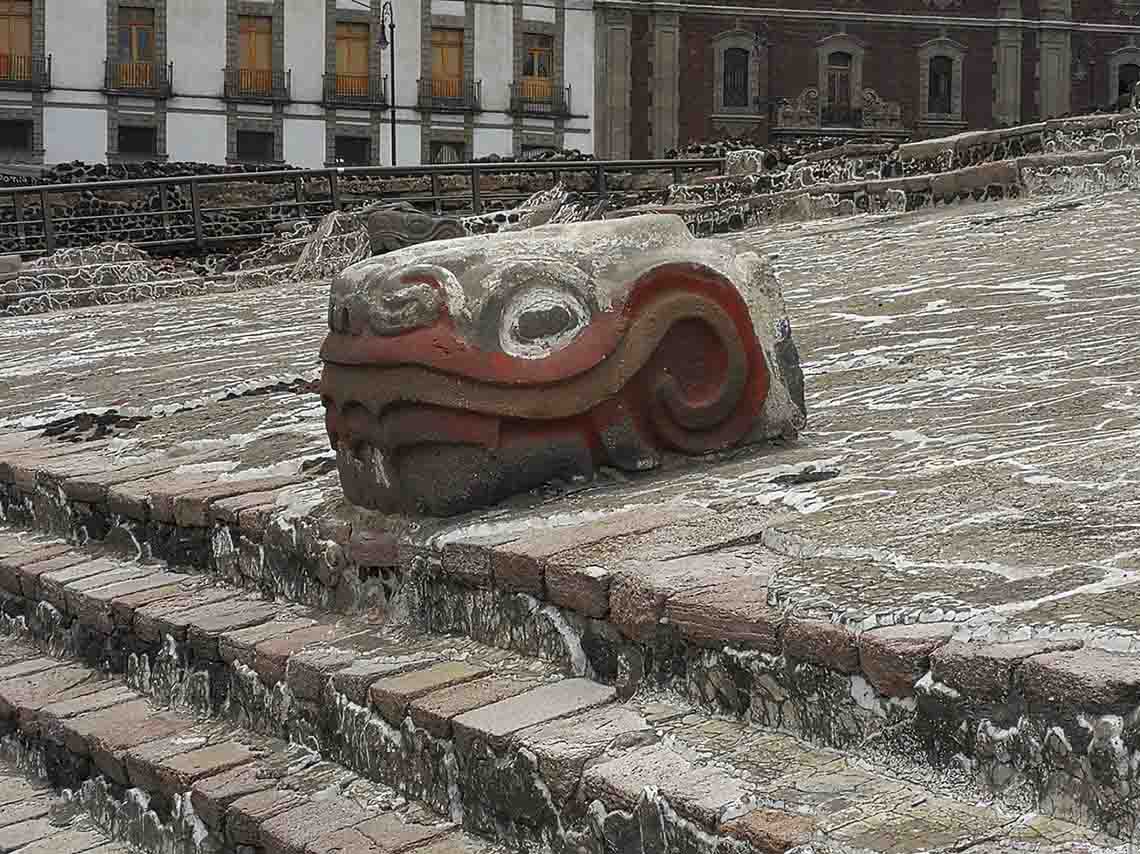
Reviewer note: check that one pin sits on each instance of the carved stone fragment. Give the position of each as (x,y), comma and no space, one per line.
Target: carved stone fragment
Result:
(460,372)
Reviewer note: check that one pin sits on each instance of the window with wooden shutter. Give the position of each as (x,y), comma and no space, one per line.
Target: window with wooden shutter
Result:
(136,48)
(446,63)
(15,40)
(538,67)
(255,46)
(352,42)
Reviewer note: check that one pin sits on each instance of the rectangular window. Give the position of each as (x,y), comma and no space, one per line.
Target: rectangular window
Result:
(941,73)
(538,67)
(446,63)
(255,146)
(446,152)
(136,48)
(15,136)
(353,150)
(352,42)
(255,54)
(138,141)
(735,81)
(15,40)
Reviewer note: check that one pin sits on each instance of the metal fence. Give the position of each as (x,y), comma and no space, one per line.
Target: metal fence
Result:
(211,211)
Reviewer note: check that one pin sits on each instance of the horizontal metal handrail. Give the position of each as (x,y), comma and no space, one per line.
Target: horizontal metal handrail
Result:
(188,221)
(449,94)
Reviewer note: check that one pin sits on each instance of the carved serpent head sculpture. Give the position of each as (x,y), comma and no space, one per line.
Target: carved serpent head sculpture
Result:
(457,373)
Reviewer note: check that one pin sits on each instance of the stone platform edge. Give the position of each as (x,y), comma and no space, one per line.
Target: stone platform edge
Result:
(294,538)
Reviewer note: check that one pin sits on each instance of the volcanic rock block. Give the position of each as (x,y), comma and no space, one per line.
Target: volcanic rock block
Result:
(460,372)
(397,226)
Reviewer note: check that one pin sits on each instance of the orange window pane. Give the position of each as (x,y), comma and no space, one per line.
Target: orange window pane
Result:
(255,42)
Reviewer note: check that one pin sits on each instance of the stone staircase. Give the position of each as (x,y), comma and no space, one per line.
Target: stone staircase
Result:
(188,715)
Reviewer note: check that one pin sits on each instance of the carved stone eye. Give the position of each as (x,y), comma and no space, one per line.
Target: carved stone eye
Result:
(538,323)
(541,320)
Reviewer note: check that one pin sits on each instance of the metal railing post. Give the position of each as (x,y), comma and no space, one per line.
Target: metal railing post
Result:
(476,200)
(600,181)
(299,196)
(196,206)
(437,202)
(676,174)
(18,209)
(162,207)
(49,227)
(334,191)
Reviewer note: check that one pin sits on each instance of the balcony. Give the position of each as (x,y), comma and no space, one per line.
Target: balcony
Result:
(539,98)
(458,96)
(137,78)
(28,73)
(838,116)
(258,86)
(355,90)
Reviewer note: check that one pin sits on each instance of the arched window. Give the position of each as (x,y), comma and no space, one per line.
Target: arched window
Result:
(839,111)
(1129,77)
(938,91)
(736,77)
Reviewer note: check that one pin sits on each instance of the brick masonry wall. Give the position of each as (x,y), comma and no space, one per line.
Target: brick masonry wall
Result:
(890,65)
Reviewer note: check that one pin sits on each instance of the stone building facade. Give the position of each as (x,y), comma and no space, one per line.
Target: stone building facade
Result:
(671,73)
(305,82)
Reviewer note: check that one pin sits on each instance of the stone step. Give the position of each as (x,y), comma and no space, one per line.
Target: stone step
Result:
(36,820)
(505,746)
(166,781)
(720,607)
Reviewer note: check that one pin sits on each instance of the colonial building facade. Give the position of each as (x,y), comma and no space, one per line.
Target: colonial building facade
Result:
(307,82)
(670,73)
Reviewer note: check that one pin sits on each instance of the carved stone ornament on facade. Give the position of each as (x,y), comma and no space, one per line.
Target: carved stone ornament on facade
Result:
(880,114)
(1128,8)
(803,112)
(460,372)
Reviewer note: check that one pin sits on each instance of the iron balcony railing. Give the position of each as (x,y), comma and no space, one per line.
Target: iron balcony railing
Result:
(29,73)
(138,78)
(539,98)
(253,84)
(359,90)
(447,94)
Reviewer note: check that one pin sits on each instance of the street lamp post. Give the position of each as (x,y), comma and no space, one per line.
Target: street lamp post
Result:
(388,42)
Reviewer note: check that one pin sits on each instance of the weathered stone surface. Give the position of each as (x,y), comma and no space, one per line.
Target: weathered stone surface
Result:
(435,711)
(172,615)
(20,573)
(697,792)
(245,816)
(392,694)
(985,671)
(272,655)
(500,720)
(107,735)
(822,643)
(1091,678)
(16,836)
(30,692)
(895,657)
(206,624)
(192,506)
(584,589)
(397,226)
(172,766)
(212,796)
(770,831)
(395,832)
(563,364)
(564,746)
(291,832)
